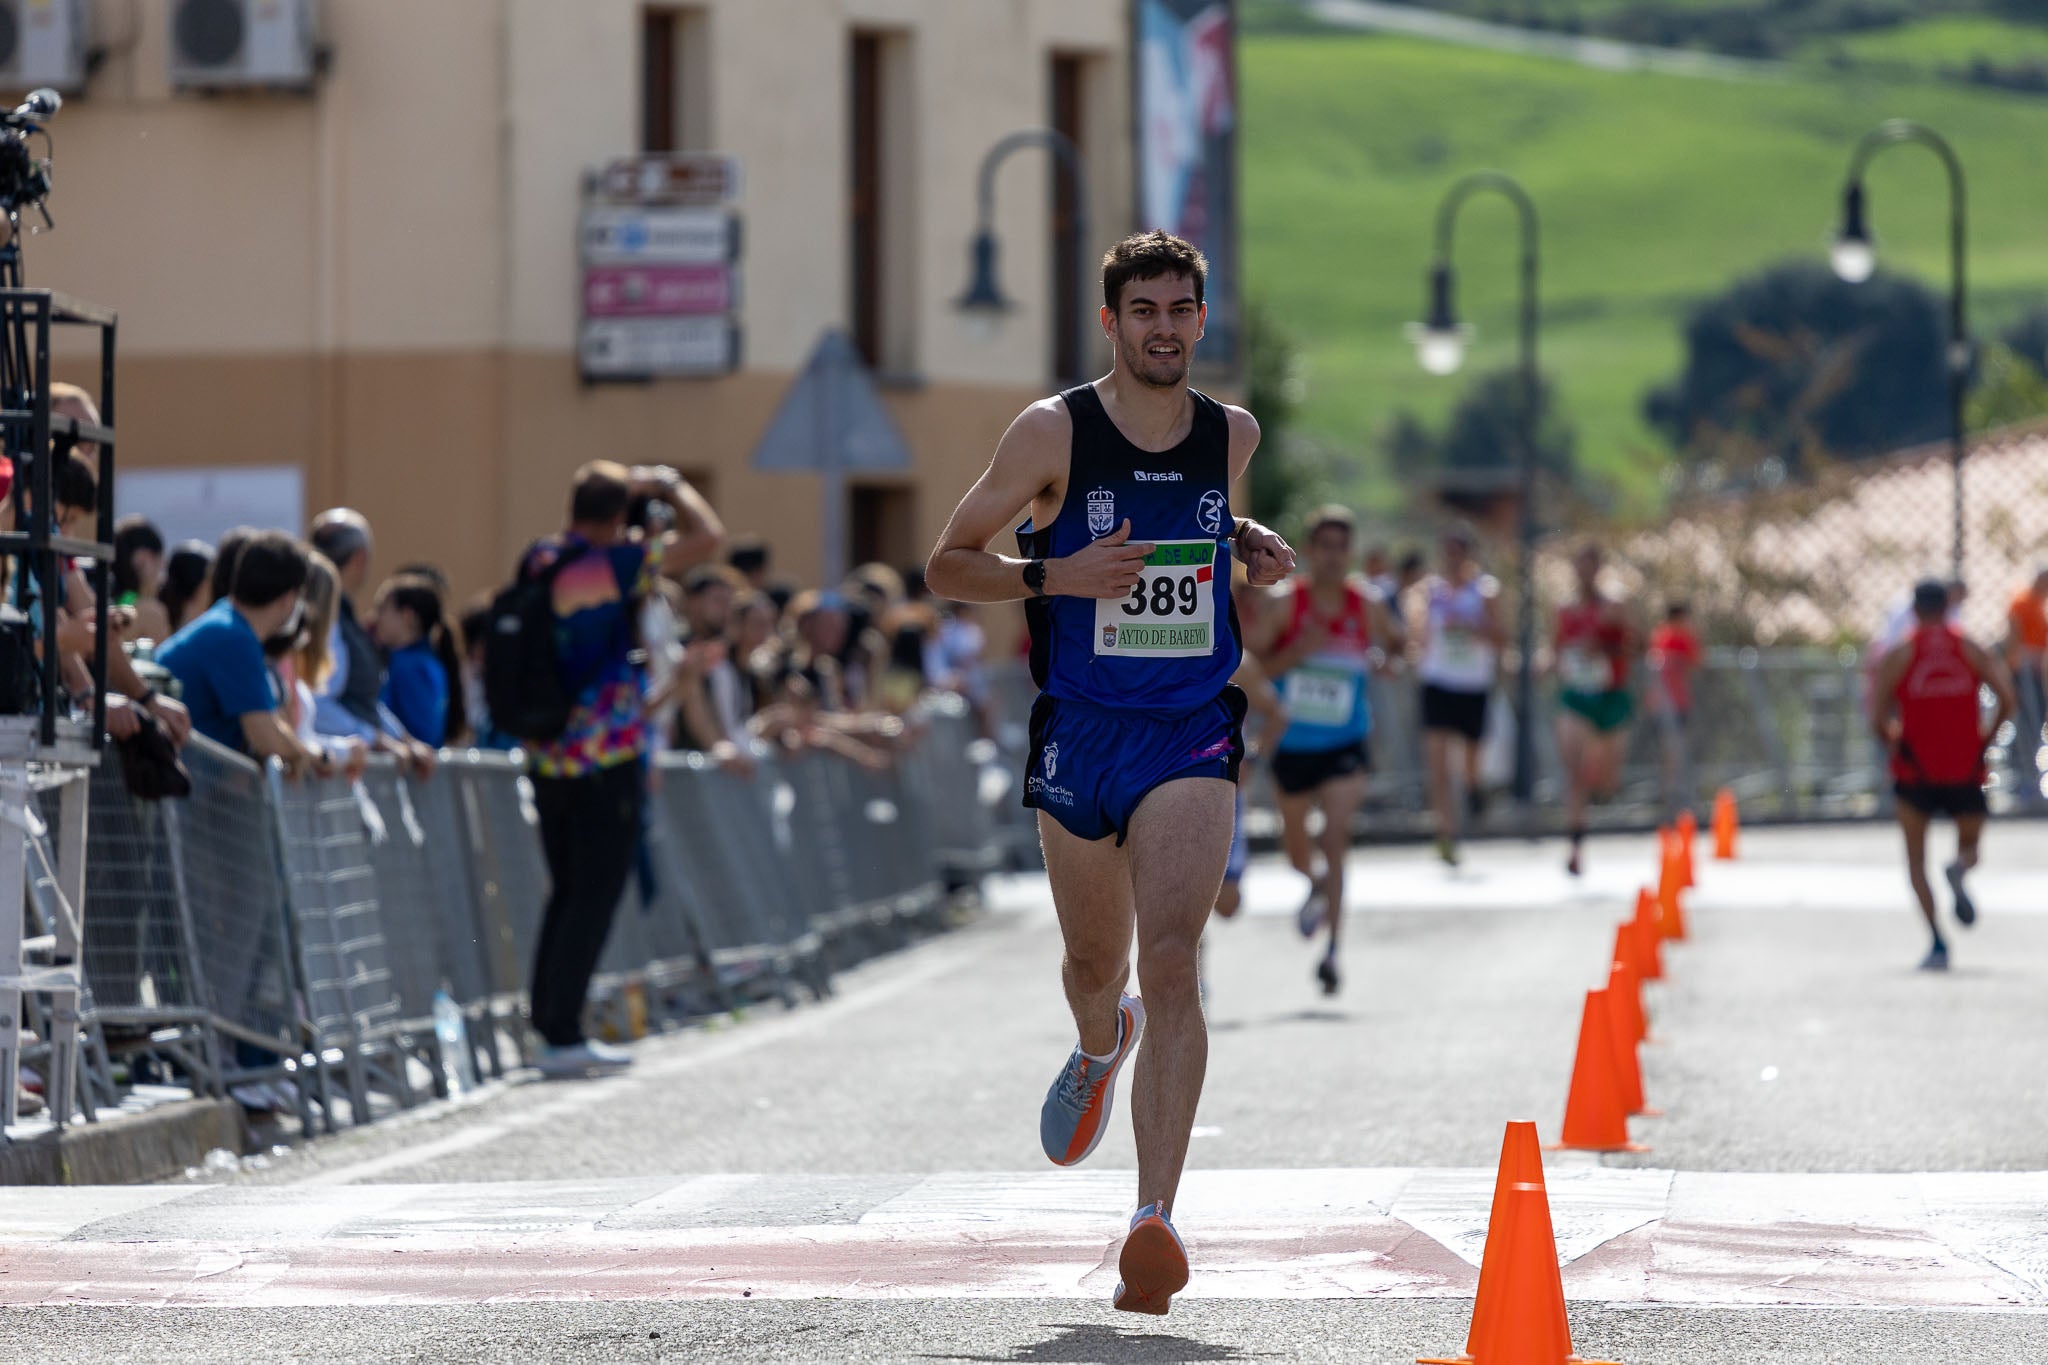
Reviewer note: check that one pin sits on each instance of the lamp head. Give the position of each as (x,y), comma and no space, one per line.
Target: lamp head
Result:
(1853,256)
(984,296)
(1440,342)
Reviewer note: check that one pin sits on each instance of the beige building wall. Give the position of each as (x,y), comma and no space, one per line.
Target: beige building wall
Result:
(379,281)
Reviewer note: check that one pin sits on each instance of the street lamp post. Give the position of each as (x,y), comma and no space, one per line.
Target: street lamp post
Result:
(984,294)
(1440,347)
(1855,259)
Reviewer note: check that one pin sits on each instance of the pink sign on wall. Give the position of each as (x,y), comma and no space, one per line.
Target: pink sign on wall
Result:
(645,291)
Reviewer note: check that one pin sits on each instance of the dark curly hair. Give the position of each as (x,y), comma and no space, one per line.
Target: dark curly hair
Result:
(1147,256)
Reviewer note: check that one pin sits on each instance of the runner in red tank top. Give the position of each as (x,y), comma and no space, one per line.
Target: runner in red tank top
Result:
(1317,638)
(1926,710)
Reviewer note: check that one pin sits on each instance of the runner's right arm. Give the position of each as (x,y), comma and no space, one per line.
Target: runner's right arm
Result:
(1031,460)
(1884,690)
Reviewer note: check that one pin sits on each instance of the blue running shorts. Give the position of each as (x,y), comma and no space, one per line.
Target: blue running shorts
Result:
(1088,766)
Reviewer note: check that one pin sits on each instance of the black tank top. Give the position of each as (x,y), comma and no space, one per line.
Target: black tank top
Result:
(1173,643)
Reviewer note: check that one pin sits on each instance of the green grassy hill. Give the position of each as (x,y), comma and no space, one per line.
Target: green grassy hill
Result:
(1654,190)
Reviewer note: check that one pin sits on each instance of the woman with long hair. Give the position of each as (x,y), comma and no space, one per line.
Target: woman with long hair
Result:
(185,592)
(423,686)
(138,572)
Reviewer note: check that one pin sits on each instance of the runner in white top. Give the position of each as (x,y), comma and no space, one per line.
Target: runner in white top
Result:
(1460,654)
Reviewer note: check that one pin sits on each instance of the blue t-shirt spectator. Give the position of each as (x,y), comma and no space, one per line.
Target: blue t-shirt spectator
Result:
(218,662)
(416,690)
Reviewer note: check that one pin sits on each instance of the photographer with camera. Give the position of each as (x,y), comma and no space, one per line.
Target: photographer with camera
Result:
(590,780)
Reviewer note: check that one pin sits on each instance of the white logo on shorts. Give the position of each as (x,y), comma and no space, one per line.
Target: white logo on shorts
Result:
(1101,512)
(1210,512)
(1052,761)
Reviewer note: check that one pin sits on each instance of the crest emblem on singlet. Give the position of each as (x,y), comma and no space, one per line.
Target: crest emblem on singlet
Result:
(1109,637)
(1101,512)
(1210,512)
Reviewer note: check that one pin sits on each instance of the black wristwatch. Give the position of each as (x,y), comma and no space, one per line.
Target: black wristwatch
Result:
(1034,577)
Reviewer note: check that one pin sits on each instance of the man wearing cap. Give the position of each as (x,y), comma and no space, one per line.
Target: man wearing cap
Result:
(1925,711)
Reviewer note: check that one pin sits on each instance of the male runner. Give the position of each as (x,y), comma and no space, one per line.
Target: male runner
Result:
(1461,642)
(1674,659)
(1319,651)
(1594,643)
(1925,711)
(1135,737)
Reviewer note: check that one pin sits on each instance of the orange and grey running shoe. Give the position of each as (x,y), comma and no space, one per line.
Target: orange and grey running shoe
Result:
(1076,1112)
(1154,1264)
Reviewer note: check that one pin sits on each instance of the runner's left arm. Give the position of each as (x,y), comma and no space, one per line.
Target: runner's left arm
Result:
(1992,670)
(1266,556)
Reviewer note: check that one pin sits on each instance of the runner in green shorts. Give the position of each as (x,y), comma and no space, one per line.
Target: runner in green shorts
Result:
(1594,643)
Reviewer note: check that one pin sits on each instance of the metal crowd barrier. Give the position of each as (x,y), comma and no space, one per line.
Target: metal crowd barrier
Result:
(1785,728)
(297,936)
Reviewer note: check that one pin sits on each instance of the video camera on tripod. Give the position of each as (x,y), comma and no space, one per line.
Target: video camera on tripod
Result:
(30,434)
(24,176)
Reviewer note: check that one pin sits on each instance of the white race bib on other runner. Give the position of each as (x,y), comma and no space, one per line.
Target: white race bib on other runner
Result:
(1170,611)
(1321,696)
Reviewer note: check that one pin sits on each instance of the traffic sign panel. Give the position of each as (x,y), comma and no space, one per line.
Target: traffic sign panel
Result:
(636,348)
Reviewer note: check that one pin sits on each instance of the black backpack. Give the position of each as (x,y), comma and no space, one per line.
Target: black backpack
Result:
(523,685)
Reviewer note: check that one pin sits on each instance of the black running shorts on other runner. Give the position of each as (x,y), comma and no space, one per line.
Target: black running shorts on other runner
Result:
(1943,798)
(1303,770)
(1447,708)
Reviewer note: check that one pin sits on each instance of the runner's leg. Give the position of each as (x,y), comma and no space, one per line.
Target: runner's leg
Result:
(1969,828)
(1574,736)
(1179,841)
(1913,824)
(1091,891)
(1436,744)
(1341,799)
(1294,840)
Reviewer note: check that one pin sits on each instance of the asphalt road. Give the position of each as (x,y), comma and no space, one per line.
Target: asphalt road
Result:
(1792,1036)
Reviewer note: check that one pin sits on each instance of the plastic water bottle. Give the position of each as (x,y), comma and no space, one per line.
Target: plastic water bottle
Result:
(457,1066)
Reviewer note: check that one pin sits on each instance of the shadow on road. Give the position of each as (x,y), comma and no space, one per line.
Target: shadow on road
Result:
(1080,1344)
(1308,1016)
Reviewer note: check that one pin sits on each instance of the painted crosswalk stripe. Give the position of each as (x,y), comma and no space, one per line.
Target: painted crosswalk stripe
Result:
(1965,1240)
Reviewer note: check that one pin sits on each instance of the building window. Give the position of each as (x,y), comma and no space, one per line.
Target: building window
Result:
(882,522)
(1066,115)
(881,202)
(675,69)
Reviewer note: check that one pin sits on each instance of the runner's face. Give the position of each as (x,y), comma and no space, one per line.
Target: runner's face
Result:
(1155,328)
(1329,555)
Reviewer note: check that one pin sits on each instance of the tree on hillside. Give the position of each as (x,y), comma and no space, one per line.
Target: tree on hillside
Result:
(1285,473)
(1476,459)
(1792,366)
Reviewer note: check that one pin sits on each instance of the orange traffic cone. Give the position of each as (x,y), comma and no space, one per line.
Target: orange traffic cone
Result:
(1628,1068)
(1682,842)
(1688,825)
(1725,824)
(1595,1113)
(1647,929)
(1670,884)
(1518,1317)
(1625,990)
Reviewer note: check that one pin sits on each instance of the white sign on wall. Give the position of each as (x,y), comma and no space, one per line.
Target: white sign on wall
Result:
(637,348)
(201,504)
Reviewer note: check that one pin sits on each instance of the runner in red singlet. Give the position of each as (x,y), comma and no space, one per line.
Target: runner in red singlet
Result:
(1926,710)
(1595,641)
(1319,639)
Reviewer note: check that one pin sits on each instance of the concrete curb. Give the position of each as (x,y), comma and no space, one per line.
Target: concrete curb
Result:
(130,1150)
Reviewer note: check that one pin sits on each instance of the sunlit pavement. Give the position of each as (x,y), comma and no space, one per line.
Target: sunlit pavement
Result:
(1847,1167)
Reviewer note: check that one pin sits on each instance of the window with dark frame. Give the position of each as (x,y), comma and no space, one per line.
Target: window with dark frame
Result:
(1065,116)
(880,522)
(658,79)
(864,208)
